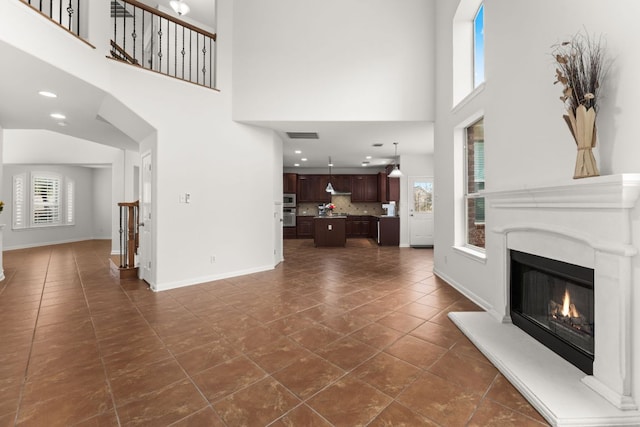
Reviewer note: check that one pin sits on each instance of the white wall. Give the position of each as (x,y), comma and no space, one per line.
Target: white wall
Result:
(226,167)
(83,228)
(527,142)
(333,60)
(102,206)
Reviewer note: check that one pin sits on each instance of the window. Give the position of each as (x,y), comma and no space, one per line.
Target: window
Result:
(478,47)
(474,182)
(45,202)
(468,50)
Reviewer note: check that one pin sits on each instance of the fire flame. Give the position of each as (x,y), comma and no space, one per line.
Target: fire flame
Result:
(568,309)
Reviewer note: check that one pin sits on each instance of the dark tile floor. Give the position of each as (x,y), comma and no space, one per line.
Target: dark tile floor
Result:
(333,336)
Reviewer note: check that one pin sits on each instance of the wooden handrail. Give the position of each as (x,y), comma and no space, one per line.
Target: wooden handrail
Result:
(127,257)
(120,51)
(170,18)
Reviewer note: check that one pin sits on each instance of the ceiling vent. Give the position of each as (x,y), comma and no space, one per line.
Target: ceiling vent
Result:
(377,145)
(302,135)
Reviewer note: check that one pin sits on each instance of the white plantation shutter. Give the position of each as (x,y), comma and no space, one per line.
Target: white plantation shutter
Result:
(45,200)
(70,202)
(19,201)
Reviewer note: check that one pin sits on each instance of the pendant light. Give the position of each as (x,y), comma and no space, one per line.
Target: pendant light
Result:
(395,173)
(329,188)
(180,7)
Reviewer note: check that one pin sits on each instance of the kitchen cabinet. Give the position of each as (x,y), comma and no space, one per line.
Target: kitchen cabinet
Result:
(329,231)
(358,226)
(388,188)
(341,183)
(290,183)
(304,227)
(389,231)
(364,188)
(289,232)
(311,188)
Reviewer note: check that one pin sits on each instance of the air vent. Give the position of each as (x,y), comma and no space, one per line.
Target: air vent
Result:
(118,11)
(302,135)
(377,145)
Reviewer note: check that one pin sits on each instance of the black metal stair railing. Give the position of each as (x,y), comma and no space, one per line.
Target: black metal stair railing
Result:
(64,12)
(154,40)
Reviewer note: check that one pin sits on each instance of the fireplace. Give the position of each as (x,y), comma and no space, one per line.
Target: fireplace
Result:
(553,302)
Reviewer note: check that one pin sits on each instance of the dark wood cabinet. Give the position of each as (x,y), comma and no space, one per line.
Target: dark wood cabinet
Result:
(290,183)
(289,232)
(388,188)
(364,188)
(358,226)
(329,231)
(311,188)
(393,187)
(304,227)
(389,231)
(341,183)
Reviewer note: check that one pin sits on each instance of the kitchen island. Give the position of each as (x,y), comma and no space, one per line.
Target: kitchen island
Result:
(329,230)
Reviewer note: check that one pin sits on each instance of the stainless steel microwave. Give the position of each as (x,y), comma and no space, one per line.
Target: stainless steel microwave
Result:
(289,200)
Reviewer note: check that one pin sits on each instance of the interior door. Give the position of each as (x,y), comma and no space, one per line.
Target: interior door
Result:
(420,211)
(144,257)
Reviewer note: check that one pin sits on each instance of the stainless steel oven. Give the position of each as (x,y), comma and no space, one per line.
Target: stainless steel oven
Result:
(289,217)
(289,200)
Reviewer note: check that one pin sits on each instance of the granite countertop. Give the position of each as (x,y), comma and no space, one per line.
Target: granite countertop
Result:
(330,216)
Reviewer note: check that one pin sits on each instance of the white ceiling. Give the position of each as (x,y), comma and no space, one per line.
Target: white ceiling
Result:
(348,143)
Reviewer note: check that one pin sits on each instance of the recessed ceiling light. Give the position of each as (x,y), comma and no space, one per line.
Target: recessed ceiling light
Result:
(296,164)
(368,157)
(62,123)
(330,165)
(304,159)
(47,94)
(58,116)
(298,152)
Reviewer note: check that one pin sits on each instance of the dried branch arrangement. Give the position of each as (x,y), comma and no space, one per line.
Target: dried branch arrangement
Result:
(581,66)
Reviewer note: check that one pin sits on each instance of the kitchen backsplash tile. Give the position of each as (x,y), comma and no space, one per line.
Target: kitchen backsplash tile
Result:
(343,205)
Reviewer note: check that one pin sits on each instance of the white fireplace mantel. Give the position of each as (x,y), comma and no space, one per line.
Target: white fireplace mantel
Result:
(586,222)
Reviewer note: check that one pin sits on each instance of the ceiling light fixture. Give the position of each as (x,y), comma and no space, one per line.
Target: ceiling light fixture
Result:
(329,188)
(298,152)
(395,173)
(296,164)
(47,94)
(58,116)
(304,159)
(180,7)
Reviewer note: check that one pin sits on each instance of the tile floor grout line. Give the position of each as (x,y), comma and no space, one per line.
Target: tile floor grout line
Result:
(26,369)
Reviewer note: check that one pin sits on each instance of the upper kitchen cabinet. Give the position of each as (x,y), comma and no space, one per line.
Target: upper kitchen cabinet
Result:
(364,188)
(341,183)
(388,188)
(290,183)
(311,188)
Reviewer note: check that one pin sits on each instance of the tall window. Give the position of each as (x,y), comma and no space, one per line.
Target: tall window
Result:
(478,47)
(474,182)
(48,200)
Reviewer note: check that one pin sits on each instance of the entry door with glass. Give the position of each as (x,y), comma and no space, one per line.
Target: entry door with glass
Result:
(420,211)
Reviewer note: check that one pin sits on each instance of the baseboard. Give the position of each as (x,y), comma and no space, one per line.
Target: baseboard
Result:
(486,306)
(39,244)
(158,287)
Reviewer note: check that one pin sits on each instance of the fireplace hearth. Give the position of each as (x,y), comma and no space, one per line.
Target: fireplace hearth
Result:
(553,302)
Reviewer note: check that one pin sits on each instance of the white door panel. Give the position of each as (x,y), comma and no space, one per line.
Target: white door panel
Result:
(420,211)
(144,267)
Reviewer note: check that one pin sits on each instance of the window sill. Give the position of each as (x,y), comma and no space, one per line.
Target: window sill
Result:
(477,255)
(41,227)
(467,99)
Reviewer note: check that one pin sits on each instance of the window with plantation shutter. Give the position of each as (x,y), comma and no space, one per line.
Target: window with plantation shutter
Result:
(70,202)
(42,199)
(45,200)
(19,201)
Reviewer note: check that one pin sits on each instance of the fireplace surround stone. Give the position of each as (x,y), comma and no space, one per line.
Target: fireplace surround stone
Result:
(594,223)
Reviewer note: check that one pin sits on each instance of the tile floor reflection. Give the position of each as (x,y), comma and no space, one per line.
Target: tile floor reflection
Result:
(355,336)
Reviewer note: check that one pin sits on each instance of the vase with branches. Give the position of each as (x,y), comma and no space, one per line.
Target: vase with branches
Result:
(580,68)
